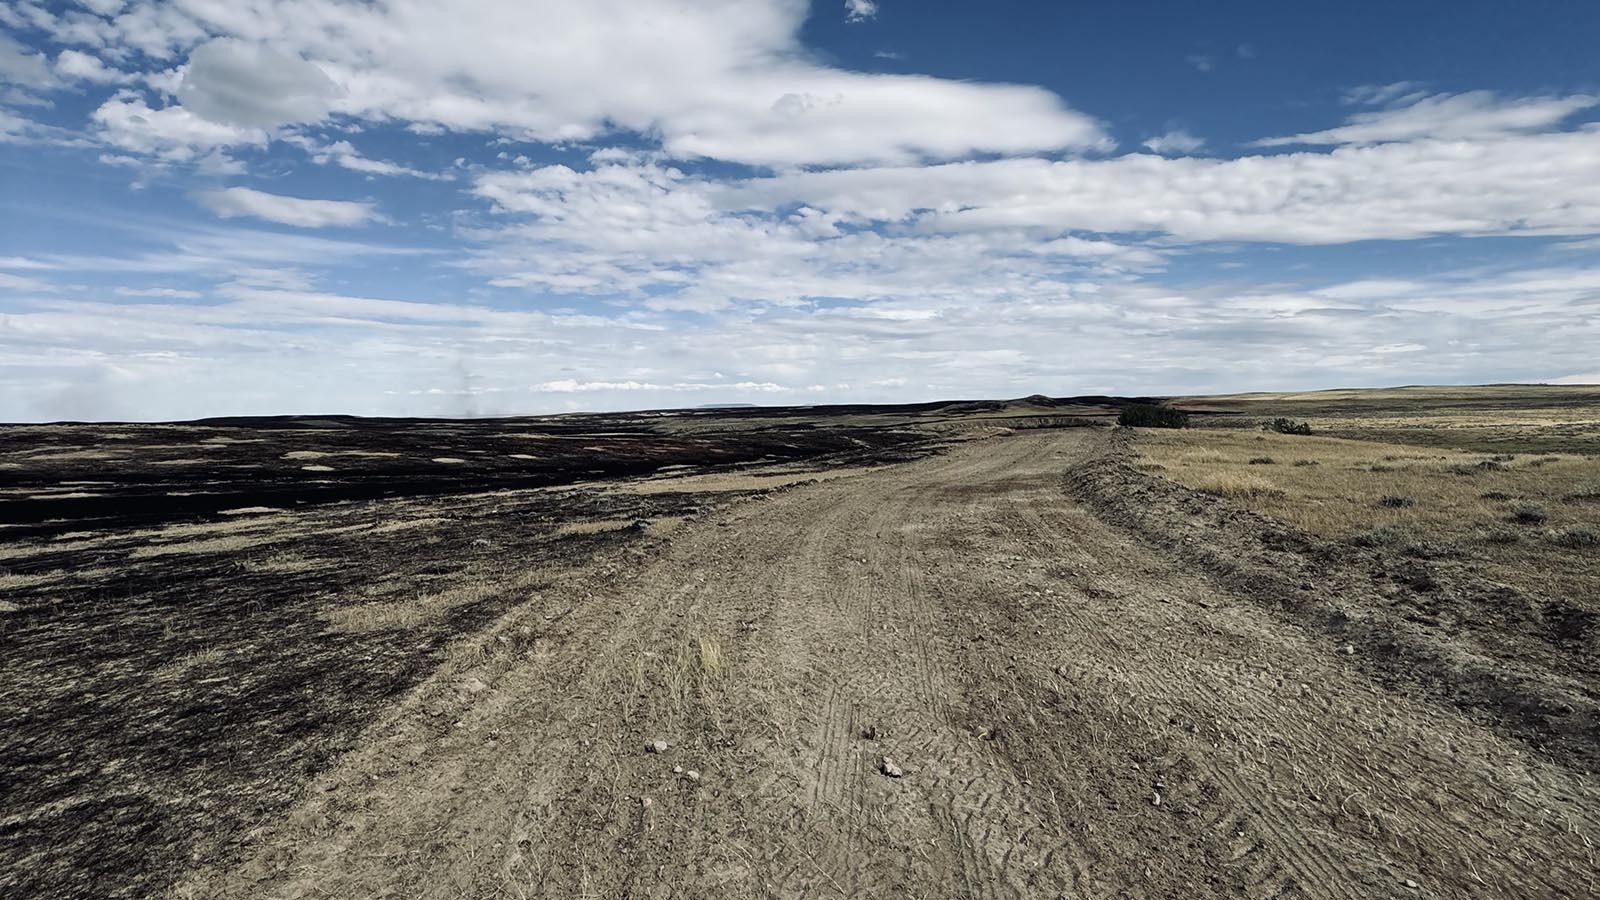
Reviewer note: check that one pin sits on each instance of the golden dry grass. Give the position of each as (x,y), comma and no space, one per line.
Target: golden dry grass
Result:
(281,564)
(14,582)
(404,613)
(1530,516)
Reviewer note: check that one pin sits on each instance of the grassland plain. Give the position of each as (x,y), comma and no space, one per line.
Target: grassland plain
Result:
(1094,663)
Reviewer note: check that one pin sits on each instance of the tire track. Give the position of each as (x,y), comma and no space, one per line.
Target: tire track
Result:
(1040,677)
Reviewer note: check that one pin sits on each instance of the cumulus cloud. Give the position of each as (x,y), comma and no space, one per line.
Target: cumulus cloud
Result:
(74,64)
(722,79)
(860,10)
(1174,143)
(253,86)
(170,133)
(1475,114)
(240,201)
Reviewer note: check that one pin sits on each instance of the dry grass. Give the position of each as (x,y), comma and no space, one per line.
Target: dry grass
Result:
(1526,515)
(281,564)
(1230,484)
(228,544)
(190,662)
(405,613)
(14,582)
(711,663)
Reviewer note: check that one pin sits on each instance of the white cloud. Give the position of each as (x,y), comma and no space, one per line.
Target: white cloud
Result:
(171,133)
(23,283)
(1590,378)
(253,86)
(169,293)
(1397,93)
(303,213)
(83,67)
(1476,114)
(860,10)
(103,7)
(1174,143)
(22,67)
(725,79)
(344,155)
(572,386)
(1388,191)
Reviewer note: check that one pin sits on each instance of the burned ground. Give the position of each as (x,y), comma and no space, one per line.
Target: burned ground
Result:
(199,617)
(348,658)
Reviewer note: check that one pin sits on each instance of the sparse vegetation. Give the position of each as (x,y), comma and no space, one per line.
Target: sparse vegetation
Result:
(1484,503)
(1262,461)
(1148,415)
(1382,536)
(1432,550)
(1283,425)
(1498,535)
(1576,537)
(1529,514)
(1240,486)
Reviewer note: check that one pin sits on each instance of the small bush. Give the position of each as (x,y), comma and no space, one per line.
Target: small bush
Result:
(1495,495)
(1432,550)
(1393,501)
(1499,536)
(1587,494)
(1287,426)
(1528,514)
(1147,415)
(1306,462)
(1262,461)
(1576,538)
(1378,537)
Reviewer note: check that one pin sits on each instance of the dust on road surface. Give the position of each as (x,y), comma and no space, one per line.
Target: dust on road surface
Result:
(1071,714)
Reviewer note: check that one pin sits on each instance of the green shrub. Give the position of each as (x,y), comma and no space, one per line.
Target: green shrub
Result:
(1287,426)
(1148,415)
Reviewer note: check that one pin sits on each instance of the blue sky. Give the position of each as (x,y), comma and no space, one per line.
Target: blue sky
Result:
(503,206)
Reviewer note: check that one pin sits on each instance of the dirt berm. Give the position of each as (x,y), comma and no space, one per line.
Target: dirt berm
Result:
(1075,710)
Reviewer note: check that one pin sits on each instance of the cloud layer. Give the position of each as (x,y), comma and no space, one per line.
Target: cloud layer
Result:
(660,202)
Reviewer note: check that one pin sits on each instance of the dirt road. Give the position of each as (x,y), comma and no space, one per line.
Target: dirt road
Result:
(1071,713)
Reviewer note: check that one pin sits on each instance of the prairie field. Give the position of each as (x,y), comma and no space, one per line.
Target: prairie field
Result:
(977,649)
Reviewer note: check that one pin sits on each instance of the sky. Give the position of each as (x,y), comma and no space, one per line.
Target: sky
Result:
(489,207)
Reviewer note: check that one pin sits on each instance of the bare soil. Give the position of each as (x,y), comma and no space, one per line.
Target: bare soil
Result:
(1073,709)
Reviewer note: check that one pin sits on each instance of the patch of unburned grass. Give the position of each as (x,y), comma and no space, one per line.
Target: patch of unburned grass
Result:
(281,564)
(406,612)
(1515,511)
(17,582)
(189,663)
